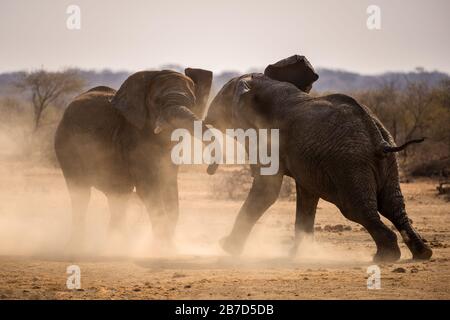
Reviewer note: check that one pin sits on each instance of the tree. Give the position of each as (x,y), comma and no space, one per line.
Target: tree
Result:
(47,87)
(384,102)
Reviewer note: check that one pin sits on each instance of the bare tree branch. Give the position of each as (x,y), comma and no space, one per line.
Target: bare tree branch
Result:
(46,87)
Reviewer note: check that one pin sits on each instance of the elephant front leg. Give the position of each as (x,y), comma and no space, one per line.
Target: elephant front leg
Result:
(263,194)
(154,204)
(117,206)
(305,216)
(171,205)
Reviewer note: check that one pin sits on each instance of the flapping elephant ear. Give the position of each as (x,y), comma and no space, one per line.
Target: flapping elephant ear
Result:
(202,80)
(130,99)
(296,70)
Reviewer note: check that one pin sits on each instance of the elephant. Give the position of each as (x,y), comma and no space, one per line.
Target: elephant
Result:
(119,141)
(332,146)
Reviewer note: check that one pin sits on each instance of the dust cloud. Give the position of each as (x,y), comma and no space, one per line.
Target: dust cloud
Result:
(35,219)
(35,226)
(35,215)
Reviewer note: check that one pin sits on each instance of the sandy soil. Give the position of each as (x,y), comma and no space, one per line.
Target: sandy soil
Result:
(35,224)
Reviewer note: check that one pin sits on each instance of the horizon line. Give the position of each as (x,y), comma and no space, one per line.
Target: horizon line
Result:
(249,70)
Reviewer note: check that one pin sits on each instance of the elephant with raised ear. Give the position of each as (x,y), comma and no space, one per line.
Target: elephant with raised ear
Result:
(333,147)
(120,141)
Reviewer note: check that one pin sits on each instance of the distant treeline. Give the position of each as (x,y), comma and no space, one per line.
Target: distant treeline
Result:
(329,80)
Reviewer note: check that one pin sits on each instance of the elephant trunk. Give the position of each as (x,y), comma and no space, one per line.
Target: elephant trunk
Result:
(178,117)
(182,117)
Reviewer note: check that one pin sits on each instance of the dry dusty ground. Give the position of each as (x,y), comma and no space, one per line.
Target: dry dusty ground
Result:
(35,223)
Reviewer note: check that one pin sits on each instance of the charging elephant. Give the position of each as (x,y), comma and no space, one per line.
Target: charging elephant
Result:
(333,147)
(118,141)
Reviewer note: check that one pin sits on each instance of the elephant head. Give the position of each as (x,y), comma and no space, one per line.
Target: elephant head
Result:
(239,104)
(162,99)
(296,70)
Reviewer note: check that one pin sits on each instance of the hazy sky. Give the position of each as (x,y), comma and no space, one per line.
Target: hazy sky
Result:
(223,35)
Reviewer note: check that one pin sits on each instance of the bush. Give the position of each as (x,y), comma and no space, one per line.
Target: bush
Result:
(236,183)
(413,112)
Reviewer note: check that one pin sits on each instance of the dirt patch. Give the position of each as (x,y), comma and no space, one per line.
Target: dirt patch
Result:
(35,224)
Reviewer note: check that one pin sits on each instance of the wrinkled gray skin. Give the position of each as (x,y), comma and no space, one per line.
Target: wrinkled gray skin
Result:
(334,148)
(118,141)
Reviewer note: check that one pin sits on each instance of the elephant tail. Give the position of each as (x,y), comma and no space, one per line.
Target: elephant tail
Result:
(389,149)
(384,146)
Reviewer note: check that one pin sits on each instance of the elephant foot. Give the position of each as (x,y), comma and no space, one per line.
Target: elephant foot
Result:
(387,254)
(231,246)
(419,249)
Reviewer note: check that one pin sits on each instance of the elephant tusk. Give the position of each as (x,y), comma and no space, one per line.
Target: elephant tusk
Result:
(158,130)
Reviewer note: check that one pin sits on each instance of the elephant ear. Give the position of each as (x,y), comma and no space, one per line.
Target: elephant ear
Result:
(241,91)
(202,80)
(130,99)
(242,88)
(296,70)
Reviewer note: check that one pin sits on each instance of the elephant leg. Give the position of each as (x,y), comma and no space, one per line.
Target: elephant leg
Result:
(171,205)
(392,206)
(364,211)
(153,201)
(305,216)
(117,206)
(264,192)
(79,195)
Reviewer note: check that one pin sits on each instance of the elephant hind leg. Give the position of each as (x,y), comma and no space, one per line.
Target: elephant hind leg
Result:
(391,205)
(360,207)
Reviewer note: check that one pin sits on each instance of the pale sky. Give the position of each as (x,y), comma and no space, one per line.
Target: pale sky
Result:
(224,35)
